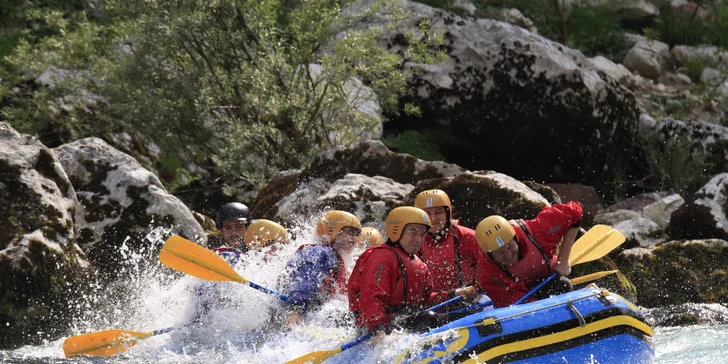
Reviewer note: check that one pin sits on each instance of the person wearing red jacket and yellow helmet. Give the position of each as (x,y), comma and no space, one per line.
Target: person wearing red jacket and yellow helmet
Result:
(522,253)
(317,271)
(450,250)
(390,280)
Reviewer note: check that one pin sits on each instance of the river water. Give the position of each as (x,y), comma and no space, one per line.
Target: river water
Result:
(151,296)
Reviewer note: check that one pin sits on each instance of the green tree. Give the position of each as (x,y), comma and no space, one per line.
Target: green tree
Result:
(255,85)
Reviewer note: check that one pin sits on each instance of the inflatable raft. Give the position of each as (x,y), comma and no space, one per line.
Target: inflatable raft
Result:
(584,326)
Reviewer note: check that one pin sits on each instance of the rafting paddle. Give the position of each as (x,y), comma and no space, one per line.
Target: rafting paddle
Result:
(106,343)
(596,243)
(592,276)
(187,257)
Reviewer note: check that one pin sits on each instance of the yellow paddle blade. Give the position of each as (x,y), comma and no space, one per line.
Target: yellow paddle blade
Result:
(103,343)
(592,276)
(596,243)
(316,357)
(187,257)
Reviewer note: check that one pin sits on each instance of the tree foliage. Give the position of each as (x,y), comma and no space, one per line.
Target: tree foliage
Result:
(254,86)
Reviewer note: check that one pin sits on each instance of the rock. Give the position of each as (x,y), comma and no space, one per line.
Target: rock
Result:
(469,7)
(43,270)
(711,56)
(636,203)
(587,195)
(370,158)
(661,211)
(618,72)
(711,76)
(515,17)
(486,87)
(615,217)
(648,58)
(703,137)
(675,79)
(678,272)
(687,314)
(119,204)
(703,215)
(369,198)
(640,230)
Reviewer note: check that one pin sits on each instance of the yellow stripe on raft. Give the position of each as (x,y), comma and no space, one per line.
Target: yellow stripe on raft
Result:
(561,337)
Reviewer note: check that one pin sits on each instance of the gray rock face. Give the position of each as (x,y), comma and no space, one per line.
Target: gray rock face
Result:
(41,266)
(703,215)
(119,202)
(704,137)
(648,58)
(506,94)
(678,272)
(369,180)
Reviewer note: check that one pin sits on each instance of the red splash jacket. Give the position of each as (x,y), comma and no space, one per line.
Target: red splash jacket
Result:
(505,285)
(386,281)
(452,260)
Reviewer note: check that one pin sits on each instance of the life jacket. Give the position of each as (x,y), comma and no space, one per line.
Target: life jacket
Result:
(336,280)
(406,294)
(443,254)
(533,265)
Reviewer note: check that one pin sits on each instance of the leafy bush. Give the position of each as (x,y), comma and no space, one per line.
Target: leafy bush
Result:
(414,143)
(676,165)
(251,84)
(595,31)
(718,26)
(694,66)
(675,29)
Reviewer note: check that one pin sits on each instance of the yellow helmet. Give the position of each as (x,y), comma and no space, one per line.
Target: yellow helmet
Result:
(371,235)
(261,232)
(432,198)
(399,217)
(331,223)
(493,233)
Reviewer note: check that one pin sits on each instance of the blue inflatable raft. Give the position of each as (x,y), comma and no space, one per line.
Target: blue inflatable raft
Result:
(584,326)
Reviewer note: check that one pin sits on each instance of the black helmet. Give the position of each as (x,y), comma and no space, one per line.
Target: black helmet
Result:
(232,211)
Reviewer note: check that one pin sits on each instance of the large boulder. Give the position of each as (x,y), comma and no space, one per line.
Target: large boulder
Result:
(703,215)
(119,204)
(43,270)
(370,158)
(509,100)
(677,272)
(369,180)
(702,137)
(648,58)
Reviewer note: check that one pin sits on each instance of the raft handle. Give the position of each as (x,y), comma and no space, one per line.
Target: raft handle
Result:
(573,309)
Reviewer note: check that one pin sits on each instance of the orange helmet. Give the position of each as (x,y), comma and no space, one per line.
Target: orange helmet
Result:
(261,232)
(399,217)
(493,233)
(371,236)
(433,198)
(331,223)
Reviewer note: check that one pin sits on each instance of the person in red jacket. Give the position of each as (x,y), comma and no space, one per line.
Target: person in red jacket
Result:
(520,254)
(450,250)
(390,280)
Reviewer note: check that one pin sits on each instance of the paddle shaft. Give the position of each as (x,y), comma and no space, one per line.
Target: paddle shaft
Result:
(283,297)
(535,289)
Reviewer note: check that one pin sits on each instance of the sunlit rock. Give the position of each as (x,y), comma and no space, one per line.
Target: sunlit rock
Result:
(43,270)
(649,58)
(119,203)
(677,272)
(703,215)
(299,190)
